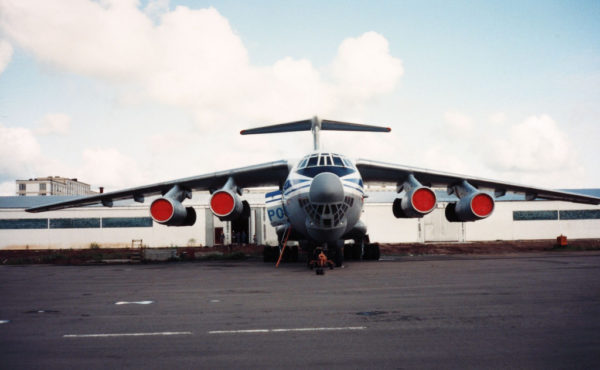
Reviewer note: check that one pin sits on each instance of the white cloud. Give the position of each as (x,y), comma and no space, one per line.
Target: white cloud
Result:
(22,157)
(110,168)
(497,118)
(8,188)
(364,68)
(6,52)
(156,8)
(536,144)
(193,59)
(20,152)
(54,123)
(458,122)
(536,149)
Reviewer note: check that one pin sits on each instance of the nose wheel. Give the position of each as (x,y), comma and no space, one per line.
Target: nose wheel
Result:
(320,261)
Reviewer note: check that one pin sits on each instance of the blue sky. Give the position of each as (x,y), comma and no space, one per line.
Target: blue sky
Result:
(122,93)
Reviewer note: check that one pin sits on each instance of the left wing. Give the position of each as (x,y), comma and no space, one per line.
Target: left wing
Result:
(266,174)
(373,171)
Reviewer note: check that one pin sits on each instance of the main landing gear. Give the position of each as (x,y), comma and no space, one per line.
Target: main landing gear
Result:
(331,254)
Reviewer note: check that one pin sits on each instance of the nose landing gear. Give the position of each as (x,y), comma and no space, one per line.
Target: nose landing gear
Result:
(320,261)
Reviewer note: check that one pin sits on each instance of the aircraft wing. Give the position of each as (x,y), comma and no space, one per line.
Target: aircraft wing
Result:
(373,171)
(266,174)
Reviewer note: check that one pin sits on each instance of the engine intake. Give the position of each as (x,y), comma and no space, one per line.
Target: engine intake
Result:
(170,212)
(228,206)
(418,200)
(473,207)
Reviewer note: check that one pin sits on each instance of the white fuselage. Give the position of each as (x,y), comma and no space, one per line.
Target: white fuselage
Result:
(323,196)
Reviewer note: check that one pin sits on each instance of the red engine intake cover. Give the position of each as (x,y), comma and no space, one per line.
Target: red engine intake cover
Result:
(423,200)
(222,203)
(161,210)
(482,205)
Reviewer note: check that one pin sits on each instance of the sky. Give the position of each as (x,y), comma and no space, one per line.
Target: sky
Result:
(119,93)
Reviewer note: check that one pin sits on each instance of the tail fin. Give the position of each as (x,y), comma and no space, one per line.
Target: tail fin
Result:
(315,125)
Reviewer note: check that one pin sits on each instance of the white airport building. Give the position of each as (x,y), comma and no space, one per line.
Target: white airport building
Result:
(52,185)
(118,226)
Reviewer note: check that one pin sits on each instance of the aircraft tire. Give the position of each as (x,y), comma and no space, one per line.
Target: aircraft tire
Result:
(267,254)
(294,254)
(367,253)
(348,249)
(357,250)
(376,252)
(336,253)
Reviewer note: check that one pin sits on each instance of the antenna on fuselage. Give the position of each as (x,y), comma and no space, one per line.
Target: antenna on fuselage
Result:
(315,125)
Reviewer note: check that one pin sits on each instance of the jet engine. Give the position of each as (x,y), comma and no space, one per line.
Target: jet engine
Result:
(169,211)
(226,203)
(228,206)
(472,205)
(417,201)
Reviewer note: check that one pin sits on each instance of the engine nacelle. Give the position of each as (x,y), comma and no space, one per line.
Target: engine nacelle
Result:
(170,212)
(417,202)
(227,205)
(473,207)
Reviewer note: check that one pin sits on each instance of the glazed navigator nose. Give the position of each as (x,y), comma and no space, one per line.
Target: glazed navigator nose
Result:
(326,188)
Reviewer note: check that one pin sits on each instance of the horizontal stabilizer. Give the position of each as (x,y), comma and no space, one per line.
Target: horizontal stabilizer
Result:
(305,125)
(345,126)
(315,125)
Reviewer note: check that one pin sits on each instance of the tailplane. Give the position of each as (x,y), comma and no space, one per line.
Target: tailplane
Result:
(315,125)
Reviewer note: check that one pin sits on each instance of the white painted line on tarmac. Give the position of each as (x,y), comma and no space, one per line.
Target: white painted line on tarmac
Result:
(4,321)
(138,302)
(163,333)
(250,331)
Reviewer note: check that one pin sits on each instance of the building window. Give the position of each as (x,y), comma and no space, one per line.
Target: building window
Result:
(24,223)
(22,187)
(74,223)
(126,222)
(584,214)
(43,187)
(534,215)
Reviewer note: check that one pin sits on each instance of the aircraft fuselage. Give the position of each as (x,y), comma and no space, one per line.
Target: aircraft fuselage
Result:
(322,197)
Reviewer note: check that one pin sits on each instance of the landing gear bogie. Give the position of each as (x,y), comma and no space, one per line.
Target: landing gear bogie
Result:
(372,252)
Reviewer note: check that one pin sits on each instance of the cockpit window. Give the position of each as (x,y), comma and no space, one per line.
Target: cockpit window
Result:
(303,163)
(325,162)
(325,159)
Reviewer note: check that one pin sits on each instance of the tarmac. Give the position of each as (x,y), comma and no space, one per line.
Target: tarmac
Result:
(534,311)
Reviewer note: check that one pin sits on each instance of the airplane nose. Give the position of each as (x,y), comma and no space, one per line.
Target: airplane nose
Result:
(326,187)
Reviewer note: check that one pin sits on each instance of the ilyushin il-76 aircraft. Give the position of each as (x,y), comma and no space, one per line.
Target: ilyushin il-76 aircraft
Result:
(320,198)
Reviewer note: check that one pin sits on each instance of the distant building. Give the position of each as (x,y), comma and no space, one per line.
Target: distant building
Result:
(52,185)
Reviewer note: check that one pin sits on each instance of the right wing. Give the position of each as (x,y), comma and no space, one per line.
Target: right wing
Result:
(266,174)
(380,172)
